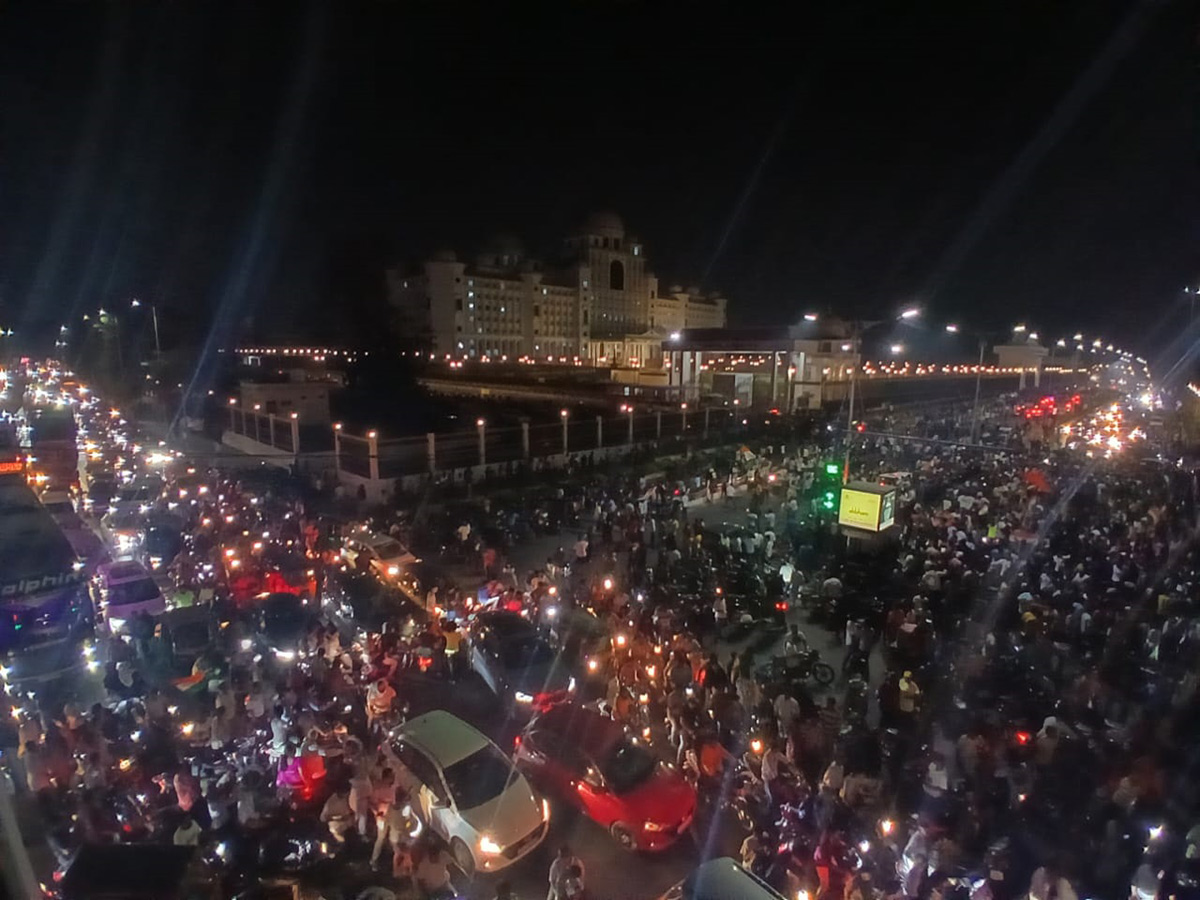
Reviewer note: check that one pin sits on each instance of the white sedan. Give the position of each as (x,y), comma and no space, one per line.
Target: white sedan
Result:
(468,791)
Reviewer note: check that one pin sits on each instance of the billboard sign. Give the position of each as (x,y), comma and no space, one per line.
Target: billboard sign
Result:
(867,507)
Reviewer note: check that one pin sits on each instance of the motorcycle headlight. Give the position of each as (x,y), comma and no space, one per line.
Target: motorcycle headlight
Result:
(488,846)
(522,697)
(571,685)
(393,570)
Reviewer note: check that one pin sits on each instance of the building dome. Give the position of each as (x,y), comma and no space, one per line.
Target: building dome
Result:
(504,244)
(604,224)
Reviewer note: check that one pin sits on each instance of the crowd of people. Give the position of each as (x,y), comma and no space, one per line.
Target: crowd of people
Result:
(996,698)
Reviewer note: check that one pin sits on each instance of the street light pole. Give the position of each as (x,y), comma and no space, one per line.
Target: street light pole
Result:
(154,319)
(850,412)
(135,303)
(564,414)
(858,326)
(978,379)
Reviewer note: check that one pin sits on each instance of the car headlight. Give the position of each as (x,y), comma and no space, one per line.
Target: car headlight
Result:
(393,570)
(488,846)
(522,697)
(285,655)
(116,624)
(653,826)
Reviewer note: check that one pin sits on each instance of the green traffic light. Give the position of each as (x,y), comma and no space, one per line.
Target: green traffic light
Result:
(832,468)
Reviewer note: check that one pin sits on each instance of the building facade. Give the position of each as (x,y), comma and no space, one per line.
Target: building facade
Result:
(505,305)
(799,367)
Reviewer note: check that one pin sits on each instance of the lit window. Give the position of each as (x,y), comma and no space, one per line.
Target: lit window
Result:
(470,293)
(637,251)
(544,292)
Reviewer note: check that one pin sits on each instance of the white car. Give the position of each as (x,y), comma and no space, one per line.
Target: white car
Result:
(468,791)
(384,554)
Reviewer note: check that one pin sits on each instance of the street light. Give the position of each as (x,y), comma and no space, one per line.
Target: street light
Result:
(135,304)
(857,329)
(628,408)
(1018,329)
(564,414)
(810,317)
(952,328)
(481,424)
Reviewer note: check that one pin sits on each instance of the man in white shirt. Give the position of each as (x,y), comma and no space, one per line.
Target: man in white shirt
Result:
(337,814)
(787,712)
(774,763)
(187,834)
(559,868)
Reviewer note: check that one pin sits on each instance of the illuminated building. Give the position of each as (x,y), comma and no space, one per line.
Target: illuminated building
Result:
(505,305)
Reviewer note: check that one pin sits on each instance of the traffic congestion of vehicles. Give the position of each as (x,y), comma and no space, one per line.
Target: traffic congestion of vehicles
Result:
(698,682)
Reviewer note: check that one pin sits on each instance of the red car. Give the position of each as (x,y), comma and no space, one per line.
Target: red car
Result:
(587,760)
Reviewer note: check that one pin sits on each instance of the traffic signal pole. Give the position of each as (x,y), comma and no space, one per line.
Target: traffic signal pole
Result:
(850,412)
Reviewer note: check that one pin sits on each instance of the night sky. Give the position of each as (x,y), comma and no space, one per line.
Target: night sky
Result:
(992,161)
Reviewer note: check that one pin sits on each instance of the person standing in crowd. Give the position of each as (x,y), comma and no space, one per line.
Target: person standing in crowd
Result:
(560,872)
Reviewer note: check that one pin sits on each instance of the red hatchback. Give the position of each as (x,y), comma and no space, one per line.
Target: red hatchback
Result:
(587,760)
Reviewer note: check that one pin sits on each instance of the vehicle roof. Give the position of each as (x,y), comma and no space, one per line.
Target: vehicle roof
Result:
(722,878)
(593,733)
(282,600)
(376,540)
(507,624)
(186,615)
(443,737)
(31,542)
(126,870)
(122,570)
